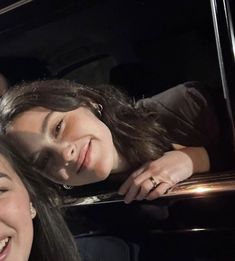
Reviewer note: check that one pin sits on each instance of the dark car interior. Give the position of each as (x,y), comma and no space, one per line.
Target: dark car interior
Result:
(143,47)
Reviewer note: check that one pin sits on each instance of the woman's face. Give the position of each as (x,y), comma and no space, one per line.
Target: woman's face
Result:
(16,227)
(73,147)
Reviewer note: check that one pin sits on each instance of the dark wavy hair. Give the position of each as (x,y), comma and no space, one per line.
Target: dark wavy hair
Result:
(52,239)
(136,133)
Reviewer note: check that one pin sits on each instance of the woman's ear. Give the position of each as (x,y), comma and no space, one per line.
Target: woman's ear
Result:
(33,211)
(98,107)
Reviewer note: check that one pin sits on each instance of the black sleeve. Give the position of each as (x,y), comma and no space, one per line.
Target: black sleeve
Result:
(188,114)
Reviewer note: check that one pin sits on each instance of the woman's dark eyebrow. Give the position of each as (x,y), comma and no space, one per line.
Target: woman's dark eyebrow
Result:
(45,122)
(3,175)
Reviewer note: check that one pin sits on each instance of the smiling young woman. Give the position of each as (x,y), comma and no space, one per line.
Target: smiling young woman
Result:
(31,225)
(59,127)
(16,234)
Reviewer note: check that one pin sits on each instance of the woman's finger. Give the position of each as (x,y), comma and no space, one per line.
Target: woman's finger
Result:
(136,186)
(146,187)
(130,180)
(161,189)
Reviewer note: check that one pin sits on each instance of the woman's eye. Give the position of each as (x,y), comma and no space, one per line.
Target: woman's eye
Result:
(2,190)
(58,128)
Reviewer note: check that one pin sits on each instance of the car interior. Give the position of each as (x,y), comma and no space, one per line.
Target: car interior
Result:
(143,47)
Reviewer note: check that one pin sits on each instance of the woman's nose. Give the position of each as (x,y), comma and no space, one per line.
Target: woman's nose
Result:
(69,152)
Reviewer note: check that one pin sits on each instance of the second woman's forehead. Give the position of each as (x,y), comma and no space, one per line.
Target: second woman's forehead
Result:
(30,120)
(25,131)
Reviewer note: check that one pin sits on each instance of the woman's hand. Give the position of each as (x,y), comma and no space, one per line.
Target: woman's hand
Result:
(154,178)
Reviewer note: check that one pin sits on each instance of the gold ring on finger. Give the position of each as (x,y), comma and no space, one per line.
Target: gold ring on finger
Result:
(154,182)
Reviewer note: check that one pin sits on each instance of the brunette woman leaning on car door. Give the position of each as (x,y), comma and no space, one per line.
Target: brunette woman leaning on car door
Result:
(82,135)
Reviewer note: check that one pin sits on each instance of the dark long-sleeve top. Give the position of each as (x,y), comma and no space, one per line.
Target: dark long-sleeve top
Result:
(189,115)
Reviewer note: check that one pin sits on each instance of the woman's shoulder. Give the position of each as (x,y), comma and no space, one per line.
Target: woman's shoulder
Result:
(187,113)
(186,95)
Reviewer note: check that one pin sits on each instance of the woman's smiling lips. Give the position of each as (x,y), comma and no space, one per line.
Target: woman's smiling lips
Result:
(6,249)
(83,155)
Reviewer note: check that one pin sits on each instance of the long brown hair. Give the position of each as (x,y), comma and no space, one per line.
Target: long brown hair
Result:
(136,133)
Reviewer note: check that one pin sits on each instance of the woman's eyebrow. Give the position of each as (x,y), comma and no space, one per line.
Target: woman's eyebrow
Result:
(3,175)
(46,121)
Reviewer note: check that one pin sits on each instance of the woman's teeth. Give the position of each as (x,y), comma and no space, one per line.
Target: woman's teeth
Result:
(3,243)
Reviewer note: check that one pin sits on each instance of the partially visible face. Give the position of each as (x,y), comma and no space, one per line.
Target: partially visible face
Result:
(73,147)
(16,227)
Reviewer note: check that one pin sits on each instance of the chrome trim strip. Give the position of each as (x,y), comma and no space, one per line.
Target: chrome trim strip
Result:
(14,6)
(219,52)
(214,11)
(201,185)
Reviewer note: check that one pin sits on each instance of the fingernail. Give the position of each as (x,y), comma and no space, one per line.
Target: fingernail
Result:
(127,201)
(120,192)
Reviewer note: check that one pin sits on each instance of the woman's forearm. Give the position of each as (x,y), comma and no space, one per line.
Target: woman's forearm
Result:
(199,157)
